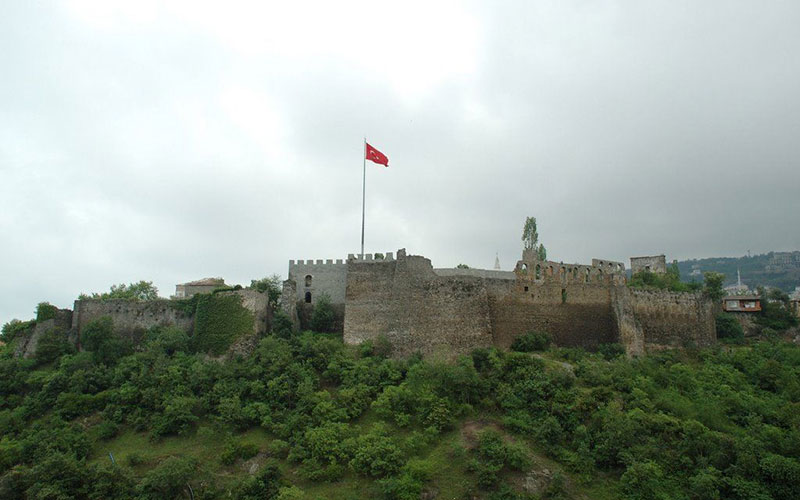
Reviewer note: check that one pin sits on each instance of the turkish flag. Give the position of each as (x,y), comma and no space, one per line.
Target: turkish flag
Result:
(376,156)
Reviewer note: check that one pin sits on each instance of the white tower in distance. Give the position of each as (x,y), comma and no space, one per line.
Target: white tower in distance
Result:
(496,262)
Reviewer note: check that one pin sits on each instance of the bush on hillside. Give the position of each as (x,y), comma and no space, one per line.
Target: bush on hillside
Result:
(323,317)
(531,341)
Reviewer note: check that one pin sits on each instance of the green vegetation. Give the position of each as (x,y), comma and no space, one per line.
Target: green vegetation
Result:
(671,281)
(143,290)
(271,285)
(530,238)
(305,416)
(45,311)
(531,341)
(323,317)
(219,320)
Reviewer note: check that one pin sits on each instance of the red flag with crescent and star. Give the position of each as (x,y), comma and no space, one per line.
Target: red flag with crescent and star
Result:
(376,156)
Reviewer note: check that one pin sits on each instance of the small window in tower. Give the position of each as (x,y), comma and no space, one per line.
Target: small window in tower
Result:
(308,280)
(308,297)
(563,295)
(526,288)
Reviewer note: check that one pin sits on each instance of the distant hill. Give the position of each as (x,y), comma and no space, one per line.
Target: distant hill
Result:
(774,269)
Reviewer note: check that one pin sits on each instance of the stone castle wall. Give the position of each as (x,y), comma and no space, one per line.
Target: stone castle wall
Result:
(576,315)
(131,318)
(672,319)
(445,314)
(414,308)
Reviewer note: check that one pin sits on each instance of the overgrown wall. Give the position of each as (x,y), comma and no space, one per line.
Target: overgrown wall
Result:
(132,318)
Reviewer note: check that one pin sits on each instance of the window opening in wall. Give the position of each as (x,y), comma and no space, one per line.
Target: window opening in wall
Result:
(647,268)
(563,295)
(526,288)
(308,297)
(538,271)
(308,280)
(524,267)
(586,277)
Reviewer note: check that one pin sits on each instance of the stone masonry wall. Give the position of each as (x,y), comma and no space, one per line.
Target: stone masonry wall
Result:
(131,318)
(420,309)
(416,309)
(652,263)
(671,319)
(578,315)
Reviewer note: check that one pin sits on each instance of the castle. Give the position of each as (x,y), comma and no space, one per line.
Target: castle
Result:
(445,312)
(436,312)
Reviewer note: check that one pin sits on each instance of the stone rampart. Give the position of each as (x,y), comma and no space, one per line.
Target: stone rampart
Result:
(575,314)
(442,313)
(673,319)
(414,308)
(132,318)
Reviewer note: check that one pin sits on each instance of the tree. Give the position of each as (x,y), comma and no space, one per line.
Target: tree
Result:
(99,338)
(143,290)
(271,285)
(462,266)
(323,317)
(530,238)
(713,285)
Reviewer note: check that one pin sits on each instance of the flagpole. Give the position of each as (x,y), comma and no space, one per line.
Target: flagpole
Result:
(363,193)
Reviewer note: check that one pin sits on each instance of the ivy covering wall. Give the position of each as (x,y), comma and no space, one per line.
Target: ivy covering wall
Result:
(219,321)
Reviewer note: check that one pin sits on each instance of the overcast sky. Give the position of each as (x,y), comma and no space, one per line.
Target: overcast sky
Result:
(171,141)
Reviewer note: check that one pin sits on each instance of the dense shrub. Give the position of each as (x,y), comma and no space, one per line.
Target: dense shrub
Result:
(728,327)
(323,318)
(531,341)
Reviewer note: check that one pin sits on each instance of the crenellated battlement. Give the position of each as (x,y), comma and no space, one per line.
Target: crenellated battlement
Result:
(368,257)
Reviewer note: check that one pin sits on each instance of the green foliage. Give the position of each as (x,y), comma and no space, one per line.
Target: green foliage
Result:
(323,317)
(220,320)
(265,485)
(462,266)
(531,341)
(167,339)
(776,313)
(712,285)
(282,325)
(494,456)
(98,338)
(52,344)
(15,328)
(45,311)
(728,327)
(142,290)
(271,285)
(376,454)
(168,479)
(671,280)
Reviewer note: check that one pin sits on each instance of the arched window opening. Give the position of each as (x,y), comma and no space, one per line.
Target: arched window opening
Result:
(538,271)
(308,297)
(308,280)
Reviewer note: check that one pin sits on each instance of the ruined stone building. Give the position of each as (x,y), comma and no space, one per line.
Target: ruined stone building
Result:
(444,312)
(649,263)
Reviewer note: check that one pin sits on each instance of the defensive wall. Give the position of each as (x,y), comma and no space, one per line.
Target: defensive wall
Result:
(448,312)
